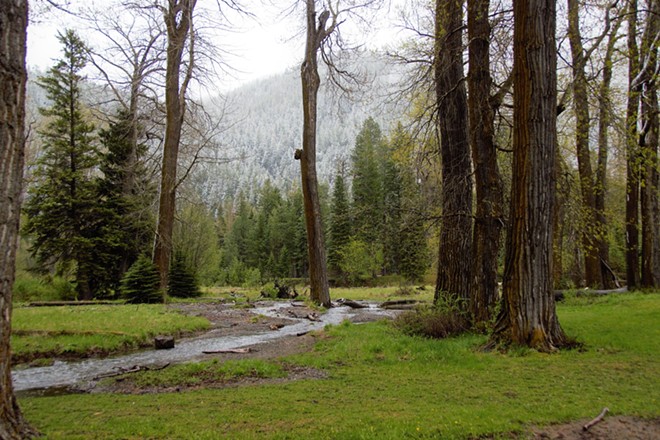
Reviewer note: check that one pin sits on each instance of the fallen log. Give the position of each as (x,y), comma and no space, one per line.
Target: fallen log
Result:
(229,351)
(401,304)
(352,304)
(72,303)
(561,294)
(596,292)
(597,420)
(134,369)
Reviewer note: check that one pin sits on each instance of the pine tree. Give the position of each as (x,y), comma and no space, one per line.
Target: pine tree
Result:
(181,281)
(367,183)
(62,211)
(413,249)
(141,283)
(340,222)
(124,192)
(391,212)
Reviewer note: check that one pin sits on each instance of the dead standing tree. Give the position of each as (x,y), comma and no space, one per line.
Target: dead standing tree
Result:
(317,32)
(13,77)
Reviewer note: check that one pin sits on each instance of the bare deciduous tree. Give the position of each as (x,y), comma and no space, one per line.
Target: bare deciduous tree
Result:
(320,30)
(178,16)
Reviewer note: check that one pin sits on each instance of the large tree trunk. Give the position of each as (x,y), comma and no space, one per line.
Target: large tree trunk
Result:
(13,78)
(650,209)
(178,20)
(632,154)
(528,313)
(488,222)
(456,228)
(318,274)
(594,228)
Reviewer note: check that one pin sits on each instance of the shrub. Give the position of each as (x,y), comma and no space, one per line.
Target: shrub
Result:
(141,283)
(182,283)
(435,321)
(33,288)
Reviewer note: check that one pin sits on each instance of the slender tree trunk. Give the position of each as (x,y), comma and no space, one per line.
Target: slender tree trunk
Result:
(318,274)
(632,154)
(604,122)
(13,79)
(488,222)
(528,313)
(650,209)
(178,20)
(456,229)
(594,228)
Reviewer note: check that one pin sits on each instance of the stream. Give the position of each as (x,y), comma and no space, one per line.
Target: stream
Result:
(68,377)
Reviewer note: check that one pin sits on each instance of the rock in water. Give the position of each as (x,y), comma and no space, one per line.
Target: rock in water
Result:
(163,342)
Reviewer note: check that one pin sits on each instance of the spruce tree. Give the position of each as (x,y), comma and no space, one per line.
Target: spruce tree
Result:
(367,183)
(141,283)
(413,249)
(340,222)
(181,281)
(391,185)
(124,193)
(62,211)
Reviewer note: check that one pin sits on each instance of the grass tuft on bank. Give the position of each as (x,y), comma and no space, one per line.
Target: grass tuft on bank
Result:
(383,384)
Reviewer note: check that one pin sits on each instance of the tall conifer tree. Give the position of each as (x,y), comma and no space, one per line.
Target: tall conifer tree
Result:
(367,182)
(340,221)
(124,194)
(62,210)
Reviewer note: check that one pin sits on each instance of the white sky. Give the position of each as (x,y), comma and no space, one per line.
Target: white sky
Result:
(258,47)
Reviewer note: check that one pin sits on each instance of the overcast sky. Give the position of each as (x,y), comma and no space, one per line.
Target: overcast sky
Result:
(258,47)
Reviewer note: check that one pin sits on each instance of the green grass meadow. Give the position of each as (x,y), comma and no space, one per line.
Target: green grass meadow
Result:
(385,385)
(41,332)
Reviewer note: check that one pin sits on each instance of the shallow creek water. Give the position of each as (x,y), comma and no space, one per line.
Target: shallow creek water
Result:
(66,377)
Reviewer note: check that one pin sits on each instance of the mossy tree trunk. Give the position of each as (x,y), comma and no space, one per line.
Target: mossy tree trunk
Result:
(13,79)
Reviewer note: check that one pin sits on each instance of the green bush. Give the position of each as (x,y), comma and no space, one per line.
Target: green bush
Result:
(182,283)
(33,288)
(435,321)
(141,283)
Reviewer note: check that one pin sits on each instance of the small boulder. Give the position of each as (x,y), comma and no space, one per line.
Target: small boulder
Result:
(163,342)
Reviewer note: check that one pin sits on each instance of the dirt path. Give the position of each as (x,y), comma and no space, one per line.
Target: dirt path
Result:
(611,428)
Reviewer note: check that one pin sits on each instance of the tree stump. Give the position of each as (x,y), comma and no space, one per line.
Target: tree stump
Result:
(163,342)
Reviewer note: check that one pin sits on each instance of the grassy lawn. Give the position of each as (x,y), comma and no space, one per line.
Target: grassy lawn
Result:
(41,332)
(383,384)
